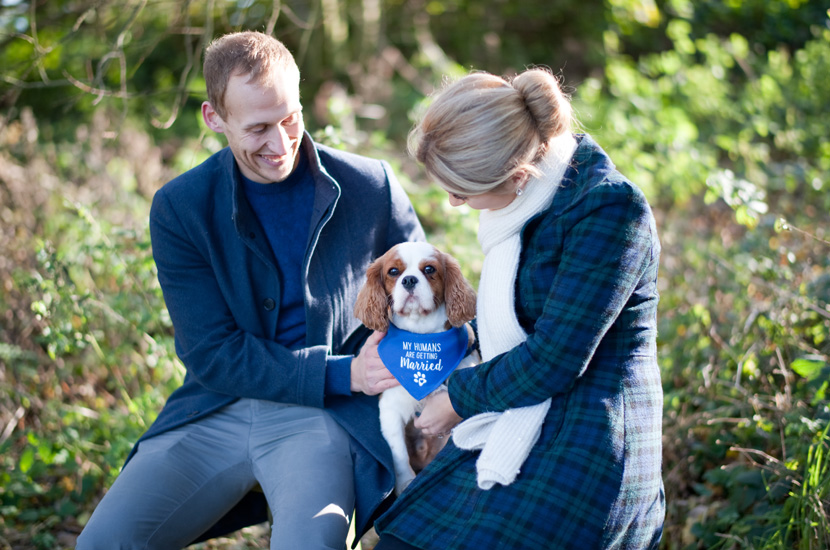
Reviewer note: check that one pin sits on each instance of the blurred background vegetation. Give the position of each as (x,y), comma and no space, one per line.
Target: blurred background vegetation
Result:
(717,109)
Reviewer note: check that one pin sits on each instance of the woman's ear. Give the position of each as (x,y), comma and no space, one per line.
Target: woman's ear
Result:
(459,296)
(519,180)
(372,307)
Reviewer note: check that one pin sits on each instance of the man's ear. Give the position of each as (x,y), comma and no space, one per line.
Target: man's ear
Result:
(212,118)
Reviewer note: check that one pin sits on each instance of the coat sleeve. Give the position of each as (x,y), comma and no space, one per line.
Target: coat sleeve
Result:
(217,352)
(607,246)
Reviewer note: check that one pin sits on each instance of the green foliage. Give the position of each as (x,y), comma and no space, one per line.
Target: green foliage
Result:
(722,130)
(100,360)
(111,364)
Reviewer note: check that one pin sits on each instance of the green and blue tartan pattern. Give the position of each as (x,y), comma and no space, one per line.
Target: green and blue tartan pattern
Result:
(586,293)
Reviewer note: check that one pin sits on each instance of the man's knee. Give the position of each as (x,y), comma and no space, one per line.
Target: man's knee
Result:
(327,530)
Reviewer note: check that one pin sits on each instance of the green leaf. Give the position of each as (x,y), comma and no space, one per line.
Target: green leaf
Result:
(807,368)
(26,460)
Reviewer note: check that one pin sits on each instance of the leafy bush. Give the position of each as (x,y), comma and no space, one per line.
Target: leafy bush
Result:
(726,137)
(99,362)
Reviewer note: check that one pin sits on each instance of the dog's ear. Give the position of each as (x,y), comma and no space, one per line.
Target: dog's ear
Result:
(459,296)
(372,307)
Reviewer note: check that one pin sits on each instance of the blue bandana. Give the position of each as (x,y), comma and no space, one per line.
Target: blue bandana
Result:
(421,362)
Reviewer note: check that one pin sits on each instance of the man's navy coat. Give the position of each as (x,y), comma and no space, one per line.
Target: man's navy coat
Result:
(222,289)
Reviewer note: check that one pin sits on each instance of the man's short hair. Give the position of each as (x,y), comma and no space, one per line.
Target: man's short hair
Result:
(242,53)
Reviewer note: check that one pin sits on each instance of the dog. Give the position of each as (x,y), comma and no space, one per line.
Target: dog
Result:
(419,289)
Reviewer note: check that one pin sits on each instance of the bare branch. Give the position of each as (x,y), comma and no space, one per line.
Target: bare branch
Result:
(193,56)
(305,25)
(22,84)
(275,14)
(12,423)
(95,91)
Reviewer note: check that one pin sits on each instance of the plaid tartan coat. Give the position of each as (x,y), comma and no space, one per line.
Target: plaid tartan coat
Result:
(586,294)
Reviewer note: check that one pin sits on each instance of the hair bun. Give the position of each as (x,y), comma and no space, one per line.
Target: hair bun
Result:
(547,105)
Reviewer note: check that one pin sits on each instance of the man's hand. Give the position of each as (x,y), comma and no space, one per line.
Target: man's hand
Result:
(369,375)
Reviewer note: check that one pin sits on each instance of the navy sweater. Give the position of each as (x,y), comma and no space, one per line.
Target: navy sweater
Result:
(284,211)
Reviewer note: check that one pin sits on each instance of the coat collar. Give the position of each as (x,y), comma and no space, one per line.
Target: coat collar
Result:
(326,194)
(589,164)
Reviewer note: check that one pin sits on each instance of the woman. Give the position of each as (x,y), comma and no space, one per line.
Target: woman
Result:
(560,444)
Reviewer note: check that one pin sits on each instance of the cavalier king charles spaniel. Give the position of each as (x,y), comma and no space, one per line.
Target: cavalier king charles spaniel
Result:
(418,289)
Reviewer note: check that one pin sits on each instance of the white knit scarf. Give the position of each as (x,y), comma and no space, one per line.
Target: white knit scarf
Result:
(505,439)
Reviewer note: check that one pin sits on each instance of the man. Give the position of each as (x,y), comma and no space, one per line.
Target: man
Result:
(261,251)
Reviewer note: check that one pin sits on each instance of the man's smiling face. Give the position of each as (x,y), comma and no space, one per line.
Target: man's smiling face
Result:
(263,124)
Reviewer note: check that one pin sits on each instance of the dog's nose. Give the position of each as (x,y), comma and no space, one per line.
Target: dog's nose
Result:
(409,282)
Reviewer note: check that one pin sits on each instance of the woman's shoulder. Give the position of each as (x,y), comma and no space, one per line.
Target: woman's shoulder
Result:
(592,181)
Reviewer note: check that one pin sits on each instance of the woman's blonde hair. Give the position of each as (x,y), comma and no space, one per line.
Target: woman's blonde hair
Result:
(482,130)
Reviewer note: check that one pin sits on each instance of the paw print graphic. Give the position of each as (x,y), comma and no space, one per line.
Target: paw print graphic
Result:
(420,379)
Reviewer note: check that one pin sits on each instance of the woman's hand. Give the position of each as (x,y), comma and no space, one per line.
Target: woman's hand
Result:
(369,375)
(438,417)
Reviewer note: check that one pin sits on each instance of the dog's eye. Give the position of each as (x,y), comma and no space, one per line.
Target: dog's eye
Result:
(429,270)
(393,272)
